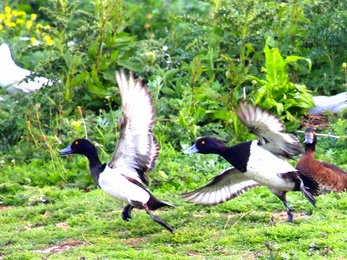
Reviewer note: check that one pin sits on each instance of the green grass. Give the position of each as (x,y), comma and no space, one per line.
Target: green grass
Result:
(84,223)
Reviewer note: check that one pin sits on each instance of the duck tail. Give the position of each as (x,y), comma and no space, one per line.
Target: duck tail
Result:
(154,203)
(310,184)
(307,194)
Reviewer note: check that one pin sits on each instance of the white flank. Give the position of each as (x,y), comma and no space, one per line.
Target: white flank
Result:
(265,168)
(225,186)
(113,183)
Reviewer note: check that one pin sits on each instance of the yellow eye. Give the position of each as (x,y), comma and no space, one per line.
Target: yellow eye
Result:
(76,142)
(202,142)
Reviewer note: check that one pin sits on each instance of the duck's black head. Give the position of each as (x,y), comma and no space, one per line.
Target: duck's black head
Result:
(80,146)
(206,145)
(86,148)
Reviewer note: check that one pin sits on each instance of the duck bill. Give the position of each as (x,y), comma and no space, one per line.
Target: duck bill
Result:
(191,150)
(66,151)
(308,138)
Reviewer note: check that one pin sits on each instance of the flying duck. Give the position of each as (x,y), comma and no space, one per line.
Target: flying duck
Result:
(255,163)
(329,176)
(135,153)
(12,76)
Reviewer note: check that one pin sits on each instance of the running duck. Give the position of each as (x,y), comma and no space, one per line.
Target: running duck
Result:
(135,153)
(255,162)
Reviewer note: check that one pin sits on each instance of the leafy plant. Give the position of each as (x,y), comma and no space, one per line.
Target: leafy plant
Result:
(324,45)
(87,54)
(276,93)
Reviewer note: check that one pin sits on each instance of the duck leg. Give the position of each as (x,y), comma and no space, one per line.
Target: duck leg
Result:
(282,196)
(157,219)
(126,213)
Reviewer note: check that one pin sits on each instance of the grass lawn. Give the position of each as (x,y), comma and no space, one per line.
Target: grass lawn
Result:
(86,224)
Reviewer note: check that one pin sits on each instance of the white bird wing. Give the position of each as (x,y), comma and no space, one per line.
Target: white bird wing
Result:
(13,77)
(137,149)
(225,186)
(270,131)
(33,85)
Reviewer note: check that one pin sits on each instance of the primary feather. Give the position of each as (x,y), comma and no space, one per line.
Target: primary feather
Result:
(136,147)
(225,186)
(270,131)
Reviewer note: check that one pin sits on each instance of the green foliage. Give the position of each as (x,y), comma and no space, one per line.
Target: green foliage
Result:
(324,45)
(276,93)
(87,54)
(156,15)
(82,61)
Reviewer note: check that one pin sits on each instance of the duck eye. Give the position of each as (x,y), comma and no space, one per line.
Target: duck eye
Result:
(202,142)
(76,142)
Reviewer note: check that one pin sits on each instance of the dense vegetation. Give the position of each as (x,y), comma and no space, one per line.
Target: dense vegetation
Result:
(199,58)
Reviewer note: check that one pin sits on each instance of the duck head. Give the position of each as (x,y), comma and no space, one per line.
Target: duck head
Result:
(310,136)
(206,145)
(79,146)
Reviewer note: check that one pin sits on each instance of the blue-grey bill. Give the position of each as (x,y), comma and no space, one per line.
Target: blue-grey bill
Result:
(308,138)
(65,151)
(191,150)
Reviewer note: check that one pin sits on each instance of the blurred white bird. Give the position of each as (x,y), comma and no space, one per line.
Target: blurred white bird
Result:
(12,76)
(329,103)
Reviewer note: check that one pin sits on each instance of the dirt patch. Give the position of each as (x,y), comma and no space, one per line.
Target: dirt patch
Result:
(282,216)
(4,208)
(135,243)
(61,248)
(202,214)
(62,225)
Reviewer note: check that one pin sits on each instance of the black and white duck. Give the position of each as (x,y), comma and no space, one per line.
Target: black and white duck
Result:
(255,163)
(123,178)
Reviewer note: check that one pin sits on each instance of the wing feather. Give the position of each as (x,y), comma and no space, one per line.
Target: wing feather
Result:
(136,149)
(225,186)
(270,131)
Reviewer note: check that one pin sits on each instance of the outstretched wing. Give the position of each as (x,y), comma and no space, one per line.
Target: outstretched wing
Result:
(270,131)
(136,149)
(225,186)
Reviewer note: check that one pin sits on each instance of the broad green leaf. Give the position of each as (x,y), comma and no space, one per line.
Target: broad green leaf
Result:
(275,66)
(199,114)
(221,114)
(132,66)
(182,120)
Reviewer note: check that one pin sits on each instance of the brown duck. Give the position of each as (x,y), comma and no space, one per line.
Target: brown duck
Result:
(329,176)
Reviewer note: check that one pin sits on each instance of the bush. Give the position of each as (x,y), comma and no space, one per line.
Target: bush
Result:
(199,59)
